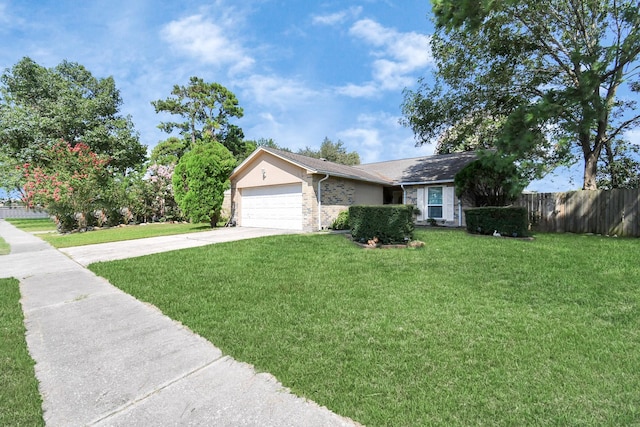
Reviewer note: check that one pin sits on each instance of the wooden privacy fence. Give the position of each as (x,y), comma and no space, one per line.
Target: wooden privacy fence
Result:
(609,212)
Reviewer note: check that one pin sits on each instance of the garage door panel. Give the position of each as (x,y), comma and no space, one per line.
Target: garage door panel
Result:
(273,207)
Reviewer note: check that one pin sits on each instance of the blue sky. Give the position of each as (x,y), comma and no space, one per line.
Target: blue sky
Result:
(302,70)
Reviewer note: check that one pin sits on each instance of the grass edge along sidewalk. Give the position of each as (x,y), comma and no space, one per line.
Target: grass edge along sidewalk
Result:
(20,401)
(465,330)
(105,235)
(4,247)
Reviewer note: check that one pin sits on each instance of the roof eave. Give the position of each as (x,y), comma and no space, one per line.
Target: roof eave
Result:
(355,178)
(439,181)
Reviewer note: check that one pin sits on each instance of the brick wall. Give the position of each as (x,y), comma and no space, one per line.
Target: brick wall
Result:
(337,195)
(310,203)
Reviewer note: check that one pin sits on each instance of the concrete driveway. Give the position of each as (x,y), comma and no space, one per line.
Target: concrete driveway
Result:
(88,254)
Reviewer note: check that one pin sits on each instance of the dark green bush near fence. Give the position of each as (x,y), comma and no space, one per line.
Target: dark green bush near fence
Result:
(508,221)
(390,224)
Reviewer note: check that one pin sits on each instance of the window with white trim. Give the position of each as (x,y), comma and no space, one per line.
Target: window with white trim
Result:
(434,203)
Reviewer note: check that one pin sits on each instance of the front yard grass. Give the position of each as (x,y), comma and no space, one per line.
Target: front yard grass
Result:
(4,247)
(468,330)
(117,234)
(20,402)
(33,224)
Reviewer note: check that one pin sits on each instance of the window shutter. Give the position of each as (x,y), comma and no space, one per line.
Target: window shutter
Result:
(421,203)
(448,203)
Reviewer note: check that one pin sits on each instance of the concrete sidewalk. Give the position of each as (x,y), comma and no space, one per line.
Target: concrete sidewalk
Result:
(104,358)
(88,254)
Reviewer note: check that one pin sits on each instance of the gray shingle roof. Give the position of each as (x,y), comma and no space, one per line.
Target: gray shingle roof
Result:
(436,168)
(326,167)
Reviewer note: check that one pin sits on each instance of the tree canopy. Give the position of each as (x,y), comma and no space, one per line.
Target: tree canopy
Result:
(333,152)
(489,181)
(205,109)
(538,80)
(169,151)
(39,107)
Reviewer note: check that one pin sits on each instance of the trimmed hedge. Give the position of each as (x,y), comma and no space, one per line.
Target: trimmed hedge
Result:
(390,223)
(508,221)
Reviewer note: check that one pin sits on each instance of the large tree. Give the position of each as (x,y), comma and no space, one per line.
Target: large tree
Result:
(540,80)
(205,110)
(39,107)
(334,152)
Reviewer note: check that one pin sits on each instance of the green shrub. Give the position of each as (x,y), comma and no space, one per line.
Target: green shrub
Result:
(341,222)
(508,221)
(492,180)
(390,223)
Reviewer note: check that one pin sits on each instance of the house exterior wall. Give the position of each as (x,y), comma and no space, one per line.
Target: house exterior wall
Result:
(267,170)
(337,193)
(276,172)
(310,203)
(411,195)
(340,193)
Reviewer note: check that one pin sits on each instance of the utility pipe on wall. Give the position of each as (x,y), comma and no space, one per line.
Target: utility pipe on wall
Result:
(320,201)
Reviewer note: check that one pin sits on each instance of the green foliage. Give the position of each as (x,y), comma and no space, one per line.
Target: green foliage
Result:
(341,222)
(39,107)
(492,180)
(389,223)
(270,143)
(620,167)
(538,80)
(508,221)
(10,173)
(333,152)
(200,179)
(71,187)
(169,151)
(206,109)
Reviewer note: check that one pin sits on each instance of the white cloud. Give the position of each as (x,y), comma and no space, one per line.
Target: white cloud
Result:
(367,90)
(274,91)
(9,20)
(207,41)
(379,136)
(398,54)
(633,136)
(338,17)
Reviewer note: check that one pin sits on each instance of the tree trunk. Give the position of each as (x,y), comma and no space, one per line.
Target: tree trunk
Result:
(590,169)
(611,167)
(214,220)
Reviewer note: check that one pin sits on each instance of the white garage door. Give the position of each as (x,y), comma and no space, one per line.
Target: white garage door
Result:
(278,206)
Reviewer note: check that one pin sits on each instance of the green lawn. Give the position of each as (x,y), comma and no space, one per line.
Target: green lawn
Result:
(468,330)
(20,402)
(33,224)
(4,247)
(117,234)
